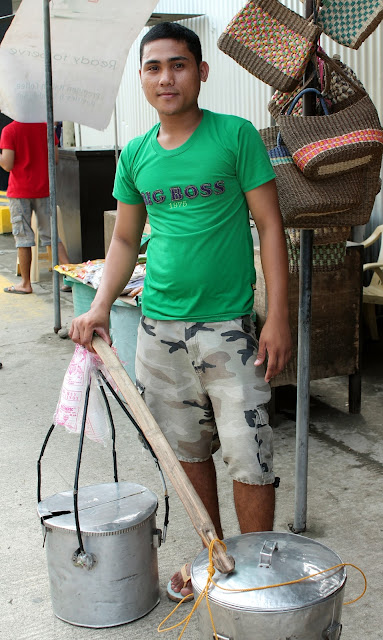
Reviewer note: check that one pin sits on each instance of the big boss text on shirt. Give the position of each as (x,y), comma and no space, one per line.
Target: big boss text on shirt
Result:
(178,194)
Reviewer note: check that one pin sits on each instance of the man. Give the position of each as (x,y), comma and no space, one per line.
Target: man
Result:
(25,155)
(197,174)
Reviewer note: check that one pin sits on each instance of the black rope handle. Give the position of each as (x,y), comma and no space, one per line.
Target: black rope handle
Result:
(102,379)
(47,437)
(39,462)
(112,428)
(77,474)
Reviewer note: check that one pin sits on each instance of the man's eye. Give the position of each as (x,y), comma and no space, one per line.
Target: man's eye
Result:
(153,68)
(179,65)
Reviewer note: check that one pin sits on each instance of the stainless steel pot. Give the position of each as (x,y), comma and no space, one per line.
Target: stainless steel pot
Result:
(119,582)
(310,610)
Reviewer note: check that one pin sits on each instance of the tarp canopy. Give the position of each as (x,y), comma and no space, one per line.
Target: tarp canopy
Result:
(90,44)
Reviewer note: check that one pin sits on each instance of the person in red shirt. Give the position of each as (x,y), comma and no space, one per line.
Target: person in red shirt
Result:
(25,155)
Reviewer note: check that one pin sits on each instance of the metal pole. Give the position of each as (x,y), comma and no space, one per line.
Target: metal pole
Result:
(51,160)
(115,134)
(303,358)
(303,380)
(79,135)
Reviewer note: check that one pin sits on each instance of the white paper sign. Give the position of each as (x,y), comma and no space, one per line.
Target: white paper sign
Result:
(90,43)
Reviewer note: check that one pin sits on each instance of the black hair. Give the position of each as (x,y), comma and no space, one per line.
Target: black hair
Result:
(174,31)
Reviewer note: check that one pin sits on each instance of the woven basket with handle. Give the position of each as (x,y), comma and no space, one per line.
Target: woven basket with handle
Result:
(312,204)
(334,143)
(271,42)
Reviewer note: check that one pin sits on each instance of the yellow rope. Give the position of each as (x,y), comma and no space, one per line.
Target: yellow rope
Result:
(210,581)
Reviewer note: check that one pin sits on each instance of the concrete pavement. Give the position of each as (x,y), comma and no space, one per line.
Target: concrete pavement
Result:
(345,475)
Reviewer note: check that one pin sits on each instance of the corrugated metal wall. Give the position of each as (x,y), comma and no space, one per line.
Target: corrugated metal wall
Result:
(230,89)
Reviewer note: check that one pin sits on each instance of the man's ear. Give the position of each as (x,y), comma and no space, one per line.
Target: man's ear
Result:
(203,71)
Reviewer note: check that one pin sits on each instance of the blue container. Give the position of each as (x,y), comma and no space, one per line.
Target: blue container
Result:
(83,295)
(124,321)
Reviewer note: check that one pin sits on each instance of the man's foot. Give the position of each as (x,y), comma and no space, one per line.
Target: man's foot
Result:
(180,585)
(19,290)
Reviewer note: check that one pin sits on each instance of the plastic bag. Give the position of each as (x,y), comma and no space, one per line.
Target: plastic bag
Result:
(70,408)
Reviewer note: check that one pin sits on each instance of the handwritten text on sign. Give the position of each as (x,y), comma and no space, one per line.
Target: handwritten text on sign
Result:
(90,43)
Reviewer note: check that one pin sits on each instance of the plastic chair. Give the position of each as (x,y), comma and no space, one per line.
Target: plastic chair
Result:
(373,294)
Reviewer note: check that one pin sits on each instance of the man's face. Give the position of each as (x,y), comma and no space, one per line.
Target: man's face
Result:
(170,77)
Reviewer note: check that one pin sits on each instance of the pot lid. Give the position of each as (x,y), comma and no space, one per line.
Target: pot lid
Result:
(263,559)
(103,508)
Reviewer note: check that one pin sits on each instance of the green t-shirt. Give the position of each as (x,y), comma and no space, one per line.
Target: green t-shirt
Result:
(200,262)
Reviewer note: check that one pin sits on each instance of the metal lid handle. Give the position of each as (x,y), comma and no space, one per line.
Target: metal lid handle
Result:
(266,554)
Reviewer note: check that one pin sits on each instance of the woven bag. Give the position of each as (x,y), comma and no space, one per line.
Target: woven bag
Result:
(271,41)
(327,257)
(350,22)
(312,204)
(333,144)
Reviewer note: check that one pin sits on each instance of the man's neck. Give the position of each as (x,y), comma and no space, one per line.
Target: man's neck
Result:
(176,129)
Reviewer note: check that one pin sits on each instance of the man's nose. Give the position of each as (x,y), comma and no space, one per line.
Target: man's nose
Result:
(166,77)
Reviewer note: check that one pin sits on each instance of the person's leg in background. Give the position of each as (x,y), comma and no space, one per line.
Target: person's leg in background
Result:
(41,207)
(25,261)
(21,214)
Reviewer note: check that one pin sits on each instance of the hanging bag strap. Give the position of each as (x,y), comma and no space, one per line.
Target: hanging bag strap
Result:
(306,91)
(332,65)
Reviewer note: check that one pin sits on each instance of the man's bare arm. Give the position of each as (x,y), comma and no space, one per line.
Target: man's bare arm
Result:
(7,159)
(275,338)
(119,265)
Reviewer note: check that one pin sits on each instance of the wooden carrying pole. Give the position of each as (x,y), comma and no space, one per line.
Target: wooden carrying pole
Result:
(165,454)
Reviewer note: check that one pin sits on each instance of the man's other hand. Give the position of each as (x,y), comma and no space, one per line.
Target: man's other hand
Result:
(275,342)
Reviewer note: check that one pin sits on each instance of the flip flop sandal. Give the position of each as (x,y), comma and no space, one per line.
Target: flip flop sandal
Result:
(177,596)
(12,289)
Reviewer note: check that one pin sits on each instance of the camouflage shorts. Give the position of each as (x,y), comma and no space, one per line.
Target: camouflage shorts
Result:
(199,377)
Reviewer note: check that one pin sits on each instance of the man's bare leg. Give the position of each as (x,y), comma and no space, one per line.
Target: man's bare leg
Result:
(25,261)
(255,506)
(203,478)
